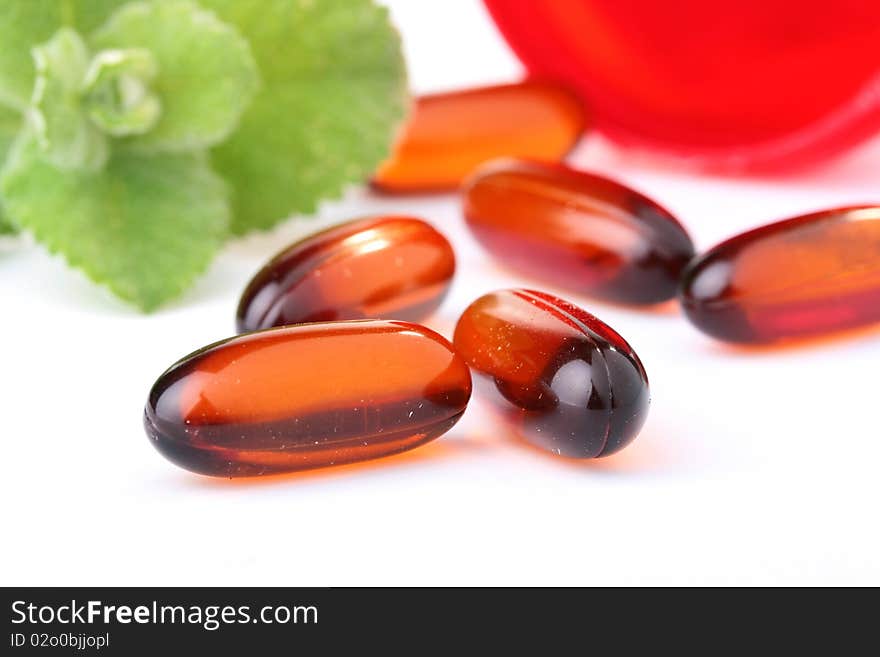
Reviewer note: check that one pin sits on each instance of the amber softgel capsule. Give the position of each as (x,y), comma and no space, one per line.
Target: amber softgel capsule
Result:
(392,267)
(307,396)
(449,134)
(578,230)
(798,278)
(565,381)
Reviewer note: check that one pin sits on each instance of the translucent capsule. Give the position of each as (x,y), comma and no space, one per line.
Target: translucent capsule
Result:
(379,267)
(796,278)
(307,396)
(577,230)
(570,384)
(449,134)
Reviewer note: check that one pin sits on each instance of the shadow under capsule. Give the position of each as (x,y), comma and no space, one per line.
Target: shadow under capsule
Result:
(795,344)
(436,450)
(647,454)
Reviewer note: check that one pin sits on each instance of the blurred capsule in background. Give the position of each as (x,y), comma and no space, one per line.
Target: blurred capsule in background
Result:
(380,267)
(577,230)
(797,278)
(448,135)
(566,381)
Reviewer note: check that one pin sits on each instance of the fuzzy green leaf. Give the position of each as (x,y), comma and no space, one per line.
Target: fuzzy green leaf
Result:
(145,226)
(117,91)
(25,23)
(207,75)
(66,136)
(10,124)
(334,91)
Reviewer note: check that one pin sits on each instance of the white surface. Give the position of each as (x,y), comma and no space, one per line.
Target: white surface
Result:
(754,468)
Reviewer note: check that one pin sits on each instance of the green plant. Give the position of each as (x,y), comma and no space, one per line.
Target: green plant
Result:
(138,136)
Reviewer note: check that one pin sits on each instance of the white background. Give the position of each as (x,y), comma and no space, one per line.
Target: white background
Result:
(755,467)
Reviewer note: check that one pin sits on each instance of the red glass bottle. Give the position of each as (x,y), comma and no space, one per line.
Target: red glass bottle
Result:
(747,84)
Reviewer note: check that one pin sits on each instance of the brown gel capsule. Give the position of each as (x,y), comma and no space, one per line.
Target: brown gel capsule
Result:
(792,279)
(449,134)
(577,230)
(307,396)
(573,386)
(389,267)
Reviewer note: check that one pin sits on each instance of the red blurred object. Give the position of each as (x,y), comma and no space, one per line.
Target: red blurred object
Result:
(751,84)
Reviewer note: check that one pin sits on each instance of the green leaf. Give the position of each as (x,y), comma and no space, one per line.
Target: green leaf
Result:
(25,23)
(334,91)
(207,74)
(117,91)
(66,136)
(144,226)
(6,228)
(10,125)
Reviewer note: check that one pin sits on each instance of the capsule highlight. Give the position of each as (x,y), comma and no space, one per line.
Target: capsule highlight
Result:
(798,278)
(386,267)
(308,396)
(566,382)
(448,135)
(577,230)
